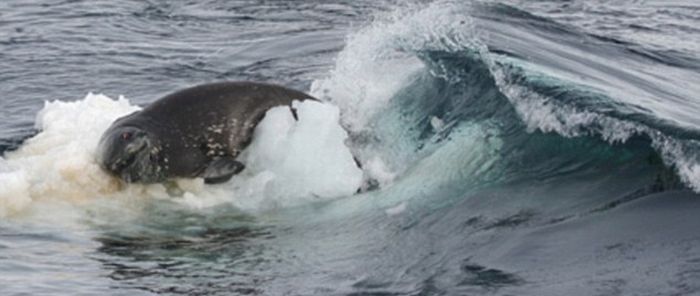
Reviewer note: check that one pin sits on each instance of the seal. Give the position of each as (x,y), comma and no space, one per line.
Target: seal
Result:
(195,132)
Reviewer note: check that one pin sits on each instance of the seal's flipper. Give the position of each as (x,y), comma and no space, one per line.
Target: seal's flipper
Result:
(221,170)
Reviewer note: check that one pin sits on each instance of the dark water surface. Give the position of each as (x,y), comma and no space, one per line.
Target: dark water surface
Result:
(60,50)
(519,148)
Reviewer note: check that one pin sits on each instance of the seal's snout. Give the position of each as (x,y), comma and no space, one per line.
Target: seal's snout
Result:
(120,149)
(121,163)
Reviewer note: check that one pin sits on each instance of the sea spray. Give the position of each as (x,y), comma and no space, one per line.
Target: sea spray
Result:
(290,162)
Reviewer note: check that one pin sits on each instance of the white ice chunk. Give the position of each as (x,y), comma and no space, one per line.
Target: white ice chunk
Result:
(292,161)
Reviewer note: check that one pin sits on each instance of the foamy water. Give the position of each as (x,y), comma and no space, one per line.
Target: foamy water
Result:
(288,163)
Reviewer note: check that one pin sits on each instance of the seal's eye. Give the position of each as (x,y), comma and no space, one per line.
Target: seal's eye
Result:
(126,136)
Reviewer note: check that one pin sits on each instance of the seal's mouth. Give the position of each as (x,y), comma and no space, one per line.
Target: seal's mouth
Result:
(121,164)
(126,167)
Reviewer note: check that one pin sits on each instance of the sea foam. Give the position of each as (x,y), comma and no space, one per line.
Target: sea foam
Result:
(289,162)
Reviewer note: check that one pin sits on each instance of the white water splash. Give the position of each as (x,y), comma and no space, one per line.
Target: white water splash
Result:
(291,162)
(380,59)
(547,115)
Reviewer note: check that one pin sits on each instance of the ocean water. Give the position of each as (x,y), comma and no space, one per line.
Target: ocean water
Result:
(507,148)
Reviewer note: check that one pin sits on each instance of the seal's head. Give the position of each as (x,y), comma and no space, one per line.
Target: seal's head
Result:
(131,154)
